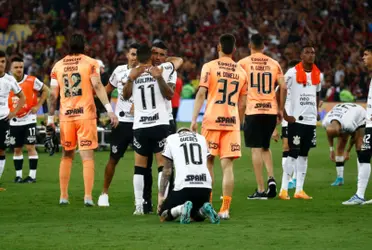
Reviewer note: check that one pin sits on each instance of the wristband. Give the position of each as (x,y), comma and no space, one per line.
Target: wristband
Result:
(331,149)
(50,119)
(108,107)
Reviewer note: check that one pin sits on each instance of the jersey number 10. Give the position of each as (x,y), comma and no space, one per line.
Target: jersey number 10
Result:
(190,152)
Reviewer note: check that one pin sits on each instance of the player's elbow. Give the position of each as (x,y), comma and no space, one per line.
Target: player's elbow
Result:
(126,94)
(169,94)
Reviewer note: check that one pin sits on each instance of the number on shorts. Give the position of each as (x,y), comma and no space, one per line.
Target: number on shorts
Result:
(143,96)
(366,138)
(223,90)
(32,131)
(263,83)
(75,88)
(190,153)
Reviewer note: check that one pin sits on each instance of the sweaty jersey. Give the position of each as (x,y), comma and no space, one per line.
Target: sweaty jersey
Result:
(122,109)
(7,83)
(72,74)
(149,104)
(263,73)
(226,82)
(369,107)
(189,152)
(30,86)
(351,116)
(303,105)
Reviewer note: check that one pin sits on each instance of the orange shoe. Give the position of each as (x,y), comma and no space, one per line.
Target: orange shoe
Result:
(2,189)
(302,195)
(283,195)
(225,208)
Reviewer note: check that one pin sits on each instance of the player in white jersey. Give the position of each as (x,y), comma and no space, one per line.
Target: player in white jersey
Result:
(148,86)
(23,126)
(189,199)
(7,84)
(364,155)
(122,135)
(343,121)
(303,81)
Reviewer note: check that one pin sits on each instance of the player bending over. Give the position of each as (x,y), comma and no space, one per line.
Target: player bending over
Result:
(189,199)
(341,122)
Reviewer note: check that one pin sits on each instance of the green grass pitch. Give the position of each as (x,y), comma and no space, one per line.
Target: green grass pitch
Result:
(30,217)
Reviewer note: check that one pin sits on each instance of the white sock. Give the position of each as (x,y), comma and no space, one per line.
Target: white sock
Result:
(294,176)
(19,173)
(363,177)
(2,166)
(340,166)
(287,172)
(138,184)
(160,174)
(32,173)
(301,173)
(284,159)
(176,211)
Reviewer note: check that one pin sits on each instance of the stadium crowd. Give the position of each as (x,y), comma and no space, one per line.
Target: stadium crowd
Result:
(339,28)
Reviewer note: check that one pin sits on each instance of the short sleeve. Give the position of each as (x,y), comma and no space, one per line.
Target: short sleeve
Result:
(113,79)
(168,70)
(173,78)
(205,76)
(318,87)
(288,78)
(15,86)
(167,153)
(94,69)
(38,85)
(53,77)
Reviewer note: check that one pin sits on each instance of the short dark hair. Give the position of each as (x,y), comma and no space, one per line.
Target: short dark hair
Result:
(257,41)
(143,53)
(2,53)
(133,46)
(16,59)
(293,63)
(160,45)
(368,48)
(77,44)
(227,42)
(307,45)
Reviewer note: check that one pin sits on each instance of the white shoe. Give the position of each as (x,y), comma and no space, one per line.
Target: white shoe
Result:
(354,200)
(224,215)
(139,210)
(367,202)
(103,200)
(63,202)
(88,203)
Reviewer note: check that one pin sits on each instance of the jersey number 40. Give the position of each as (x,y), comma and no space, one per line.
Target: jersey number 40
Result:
(263,83)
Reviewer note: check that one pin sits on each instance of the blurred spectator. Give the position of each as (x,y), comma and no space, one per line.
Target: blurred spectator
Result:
(339,29)
(188,91)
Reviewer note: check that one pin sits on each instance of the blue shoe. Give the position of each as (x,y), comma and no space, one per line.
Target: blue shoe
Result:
(185,214)
(292,184)
(209,212)
(354,200)
(338,182)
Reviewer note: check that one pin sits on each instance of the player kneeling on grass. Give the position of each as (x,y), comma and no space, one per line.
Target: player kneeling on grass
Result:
(341,122)
(193,183)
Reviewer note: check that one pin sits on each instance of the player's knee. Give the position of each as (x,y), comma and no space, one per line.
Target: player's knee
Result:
(364,156)
(17,151)
(114,160)
(2,152)
(31,150)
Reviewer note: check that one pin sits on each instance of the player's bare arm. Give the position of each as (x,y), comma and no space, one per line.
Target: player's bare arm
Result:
(21,102)
(199,100)
(349,147)
(44,94)
(176,61)
(102,96)
(331,149)
(52,100)
(128,84)
(283,96)
(242,104)
(165,89)
(109,88)
(167,172)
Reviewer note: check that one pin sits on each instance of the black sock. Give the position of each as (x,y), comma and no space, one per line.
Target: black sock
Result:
(33,162)
(18,164)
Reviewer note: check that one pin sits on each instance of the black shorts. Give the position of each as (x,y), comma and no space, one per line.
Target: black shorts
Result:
(150,140)
(22,135)
(4,133)
(367,140)
(198,196)
(121,137)
(258,130)
(172,127)
(301,136)
(285,132)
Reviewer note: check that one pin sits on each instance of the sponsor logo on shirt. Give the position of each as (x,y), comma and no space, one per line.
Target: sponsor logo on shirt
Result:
(196,178)
(149,119)
(77,111)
